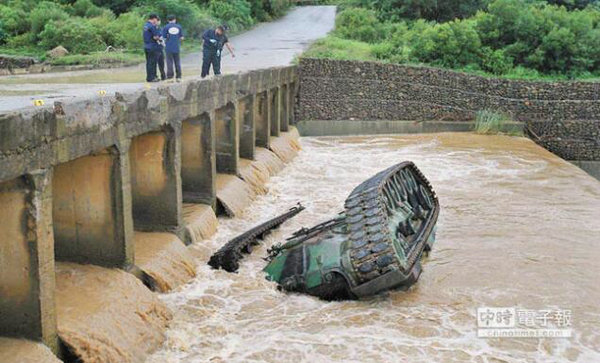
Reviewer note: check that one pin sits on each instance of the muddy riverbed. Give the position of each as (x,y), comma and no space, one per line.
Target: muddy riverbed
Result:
(518,228)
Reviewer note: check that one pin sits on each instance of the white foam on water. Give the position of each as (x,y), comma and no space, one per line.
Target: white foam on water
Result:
(518,227)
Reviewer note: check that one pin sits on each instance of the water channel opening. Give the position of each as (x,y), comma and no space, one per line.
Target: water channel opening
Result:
(246,128)
(226,145)
(261,123)
(233,194)
(198,178)
(197,160)
(94,323)
(156,207)
(153,181)
(87,222)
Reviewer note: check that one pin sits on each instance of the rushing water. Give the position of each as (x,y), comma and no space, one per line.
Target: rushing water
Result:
(518,227)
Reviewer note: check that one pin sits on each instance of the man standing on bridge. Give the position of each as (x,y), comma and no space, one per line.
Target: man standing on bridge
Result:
(152,48)
(214,41)
(173,35)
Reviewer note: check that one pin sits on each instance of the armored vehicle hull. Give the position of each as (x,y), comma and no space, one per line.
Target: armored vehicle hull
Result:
(375,244)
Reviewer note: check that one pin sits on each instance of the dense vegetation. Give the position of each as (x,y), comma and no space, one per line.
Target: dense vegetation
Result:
(91,26)
(520,38)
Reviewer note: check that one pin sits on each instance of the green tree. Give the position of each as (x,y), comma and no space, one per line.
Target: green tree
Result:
(359,24)
(236,13)
(3,34)
(78,35)
(45,12)
(117,6)
(452,44)
(427,9)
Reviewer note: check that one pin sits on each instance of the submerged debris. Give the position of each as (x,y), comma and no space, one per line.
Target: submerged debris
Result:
(376,244)
(227,258)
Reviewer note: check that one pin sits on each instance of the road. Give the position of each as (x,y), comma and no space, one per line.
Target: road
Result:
(266,45)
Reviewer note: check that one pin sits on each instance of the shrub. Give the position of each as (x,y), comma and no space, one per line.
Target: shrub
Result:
(203,20)
(20,41)
(2,33)
(86,8)
(118,7)
(453,44)
(359,24)
(495,61)
(127,30)
(45,12)
(338,48)
(76,34)
(276,8)
(14,19)
(259,10)
(440,11)
(106,28)
(236,13)
(193,20)
(384,50)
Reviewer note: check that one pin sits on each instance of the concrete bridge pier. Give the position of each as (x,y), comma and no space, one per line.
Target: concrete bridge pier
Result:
(27,304)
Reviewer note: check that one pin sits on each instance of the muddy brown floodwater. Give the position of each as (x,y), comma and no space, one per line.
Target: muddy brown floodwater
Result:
(518,227)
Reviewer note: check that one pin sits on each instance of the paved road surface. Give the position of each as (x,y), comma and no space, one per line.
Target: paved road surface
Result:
(267,45)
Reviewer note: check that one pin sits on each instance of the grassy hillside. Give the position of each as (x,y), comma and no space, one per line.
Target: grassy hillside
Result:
(510,38)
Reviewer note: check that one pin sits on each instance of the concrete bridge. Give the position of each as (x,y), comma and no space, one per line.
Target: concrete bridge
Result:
(79,181)
(123,182)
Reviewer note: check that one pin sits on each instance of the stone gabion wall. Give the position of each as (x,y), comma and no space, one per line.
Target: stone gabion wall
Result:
(561,116)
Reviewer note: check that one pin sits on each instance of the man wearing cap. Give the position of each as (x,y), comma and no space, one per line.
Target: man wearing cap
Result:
(173,35)
(152,48)
(214,41)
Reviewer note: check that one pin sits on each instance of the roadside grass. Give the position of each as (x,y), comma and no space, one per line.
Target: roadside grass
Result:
(98,58)
(332,47)
(488,122)
(23,52)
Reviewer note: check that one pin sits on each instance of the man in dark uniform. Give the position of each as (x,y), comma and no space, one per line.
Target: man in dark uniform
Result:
(214,41)
(152,49)
(173,35)
(161,55)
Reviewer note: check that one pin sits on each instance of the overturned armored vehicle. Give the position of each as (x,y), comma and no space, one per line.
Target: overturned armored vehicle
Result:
(376,244)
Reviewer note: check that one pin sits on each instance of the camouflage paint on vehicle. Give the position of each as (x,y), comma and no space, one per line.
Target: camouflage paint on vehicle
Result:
(376,244)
